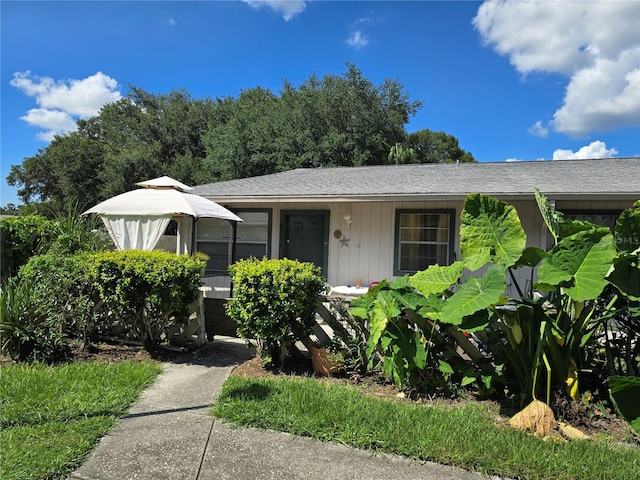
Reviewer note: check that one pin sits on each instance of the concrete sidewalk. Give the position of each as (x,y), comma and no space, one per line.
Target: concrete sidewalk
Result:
(168,435)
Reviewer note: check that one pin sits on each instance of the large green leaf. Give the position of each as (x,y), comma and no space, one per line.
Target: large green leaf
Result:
(571,227)
(625,392)
(384,308)
(433,308)
(400,283)
(625,274)
(476,322)
(410,346)
(550,215)
(436,279)
(476,294)
(531,257)
(627,231)
(408,300)
(490,230)
(419,358)
(579,264)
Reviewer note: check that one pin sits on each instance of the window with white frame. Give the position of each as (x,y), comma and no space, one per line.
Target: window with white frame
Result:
(214,237)
(423,238)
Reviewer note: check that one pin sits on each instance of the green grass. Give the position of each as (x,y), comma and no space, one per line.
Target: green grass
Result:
(464,436)
(52,416)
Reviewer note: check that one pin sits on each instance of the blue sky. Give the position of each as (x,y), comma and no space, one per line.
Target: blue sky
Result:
(520,80)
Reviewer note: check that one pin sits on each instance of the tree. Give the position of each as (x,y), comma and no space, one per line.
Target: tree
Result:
(9,209)
(242,141)
(152,135)
(437,147)
(62,174)
(333,121)
(400,154)
(356,123)
(136,138)
(336,120)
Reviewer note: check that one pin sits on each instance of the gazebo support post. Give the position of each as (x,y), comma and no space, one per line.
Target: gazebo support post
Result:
(234,227)
(194,225)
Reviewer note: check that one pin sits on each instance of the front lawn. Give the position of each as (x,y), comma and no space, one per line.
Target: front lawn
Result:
(464,436)
(52,416)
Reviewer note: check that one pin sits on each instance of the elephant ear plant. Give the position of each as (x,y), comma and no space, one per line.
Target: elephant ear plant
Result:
(529,343)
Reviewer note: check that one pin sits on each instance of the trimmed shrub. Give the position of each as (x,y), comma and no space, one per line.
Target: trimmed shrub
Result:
(274,302)
(62,288)
(148,291)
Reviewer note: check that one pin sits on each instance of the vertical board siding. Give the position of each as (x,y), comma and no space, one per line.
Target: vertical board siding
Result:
(377,228)
(370,251)
(533,226)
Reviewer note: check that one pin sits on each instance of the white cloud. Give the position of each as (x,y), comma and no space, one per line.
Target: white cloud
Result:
(594,43)
(602,97)
(595,149)
(63,102)
(538,130)
(288,8)
(49,119)
(172,22)
(357,39)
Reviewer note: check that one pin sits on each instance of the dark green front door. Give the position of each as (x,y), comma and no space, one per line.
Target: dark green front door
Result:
(304,237)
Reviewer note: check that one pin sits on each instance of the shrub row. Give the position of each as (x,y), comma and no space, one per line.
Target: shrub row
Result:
(59,298)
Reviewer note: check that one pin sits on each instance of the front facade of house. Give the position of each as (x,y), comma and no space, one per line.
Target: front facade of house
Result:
(380,222)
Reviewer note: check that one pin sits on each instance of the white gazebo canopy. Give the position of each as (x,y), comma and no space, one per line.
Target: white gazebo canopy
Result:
(165,182)
(138,219)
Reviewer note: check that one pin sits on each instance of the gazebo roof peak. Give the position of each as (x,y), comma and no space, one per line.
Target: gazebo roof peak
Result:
(165,182)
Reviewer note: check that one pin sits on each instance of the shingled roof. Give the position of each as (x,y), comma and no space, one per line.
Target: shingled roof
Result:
(613,178)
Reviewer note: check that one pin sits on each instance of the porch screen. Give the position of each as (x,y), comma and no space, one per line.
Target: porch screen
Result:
(214,238)
(422,239)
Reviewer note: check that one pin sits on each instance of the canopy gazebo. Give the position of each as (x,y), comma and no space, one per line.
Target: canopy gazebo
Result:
(137,219)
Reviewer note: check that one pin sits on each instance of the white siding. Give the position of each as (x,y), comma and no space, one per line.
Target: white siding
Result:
(370,250)
(368,255)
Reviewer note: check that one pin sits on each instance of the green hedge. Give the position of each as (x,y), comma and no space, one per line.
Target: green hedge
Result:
(58,298)
(149,291)
(65,294)
(274,302)
(20,239)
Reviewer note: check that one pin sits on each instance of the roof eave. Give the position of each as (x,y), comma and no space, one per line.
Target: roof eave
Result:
(422,197)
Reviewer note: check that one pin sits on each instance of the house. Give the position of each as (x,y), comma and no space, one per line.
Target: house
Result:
(375,222)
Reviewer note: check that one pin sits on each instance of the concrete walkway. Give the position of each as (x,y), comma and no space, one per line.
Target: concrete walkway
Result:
(168,435)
